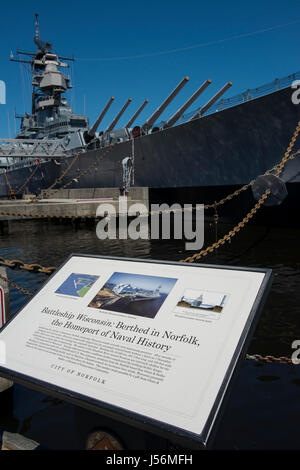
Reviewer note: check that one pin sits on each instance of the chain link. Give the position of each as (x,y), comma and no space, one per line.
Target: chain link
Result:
(230,196)
(28,179)
(277,168)
(59,178)
(13,284)
(269,359)
(157,212)
(237,228)
(45,216)
(246,186)
(11,190)
(84,172)
(34,267)
(229,235)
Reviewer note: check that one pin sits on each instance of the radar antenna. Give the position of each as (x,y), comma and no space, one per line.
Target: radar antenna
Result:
(37,32)
(43,46)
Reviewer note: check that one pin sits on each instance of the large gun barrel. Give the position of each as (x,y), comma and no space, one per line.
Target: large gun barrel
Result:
(149,123)
(173,119)
(116,119)
(137,113)
(94,128)
(211,101)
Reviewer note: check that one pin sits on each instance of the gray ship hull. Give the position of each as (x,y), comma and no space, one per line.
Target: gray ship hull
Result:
(215,153)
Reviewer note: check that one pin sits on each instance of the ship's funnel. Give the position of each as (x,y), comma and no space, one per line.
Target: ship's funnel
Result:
(136,114)
(116,119)
(186,105)
(149,123)
(211,101)
(94,128)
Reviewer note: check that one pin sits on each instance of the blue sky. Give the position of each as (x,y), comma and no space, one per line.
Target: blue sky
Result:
(104,30)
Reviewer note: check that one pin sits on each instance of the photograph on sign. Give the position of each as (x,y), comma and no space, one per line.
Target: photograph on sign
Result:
(156,340)
(77,285)
(135,294)
(201,303)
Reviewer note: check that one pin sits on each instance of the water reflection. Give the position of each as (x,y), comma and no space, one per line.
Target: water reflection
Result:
(265,397)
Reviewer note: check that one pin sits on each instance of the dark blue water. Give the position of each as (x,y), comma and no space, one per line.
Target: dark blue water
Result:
(263,411)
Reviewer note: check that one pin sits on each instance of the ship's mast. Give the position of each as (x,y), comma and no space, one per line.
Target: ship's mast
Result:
(37,32)
(48,82)
(37,39)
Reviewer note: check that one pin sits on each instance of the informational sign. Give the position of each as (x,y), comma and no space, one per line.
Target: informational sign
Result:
(154,344)
(2,307)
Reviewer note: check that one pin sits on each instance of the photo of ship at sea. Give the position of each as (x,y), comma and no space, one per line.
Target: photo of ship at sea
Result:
(203,303)
(136,294)
(77,285)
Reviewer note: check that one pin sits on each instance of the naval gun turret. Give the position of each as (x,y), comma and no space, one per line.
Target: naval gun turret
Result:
(90,134)
(208,105)
(153,118)
(136,114)
(173,119)
(118,116)
(112,135)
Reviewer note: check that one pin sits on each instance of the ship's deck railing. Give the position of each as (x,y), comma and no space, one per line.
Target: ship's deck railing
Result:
(247,95)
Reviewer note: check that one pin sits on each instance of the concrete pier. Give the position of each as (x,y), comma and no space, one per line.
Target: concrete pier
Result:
(72,203)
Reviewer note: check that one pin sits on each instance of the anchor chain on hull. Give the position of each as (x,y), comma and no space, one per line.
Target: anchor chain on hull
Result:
(206,206)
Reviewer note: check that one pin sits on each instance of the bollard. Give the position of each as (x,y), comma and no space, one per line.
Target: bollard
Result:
(4,227)
(103,440)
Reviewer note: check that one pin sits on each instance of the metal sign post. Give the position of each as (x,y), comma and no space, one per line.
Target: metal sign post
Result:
(4,297)
(2,308)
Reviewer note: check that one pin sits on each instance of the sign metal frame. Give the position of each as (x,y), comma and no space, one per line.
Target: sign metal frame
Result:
(2,306)
(165,430)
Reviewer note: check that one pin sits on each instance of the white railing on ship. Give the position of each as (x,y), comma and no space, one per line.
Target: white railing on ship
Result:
(247,95)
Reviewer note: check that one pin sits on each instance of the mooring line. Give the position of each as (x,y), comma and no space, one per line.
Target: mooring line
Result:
(245,220)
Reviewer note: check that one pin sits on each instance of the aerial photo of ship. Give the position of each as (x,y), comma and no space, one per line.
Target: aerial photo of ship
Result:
(136,294)
(195,156)
(77,285)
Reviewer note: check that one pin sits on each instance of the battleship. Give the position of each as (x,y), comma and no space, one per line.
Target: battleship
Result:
(191,157)
(135,294)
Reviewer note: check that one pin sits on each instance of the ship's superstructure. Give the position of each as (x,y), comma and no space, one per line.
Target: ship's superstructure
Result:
(51,119)
(51,116)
